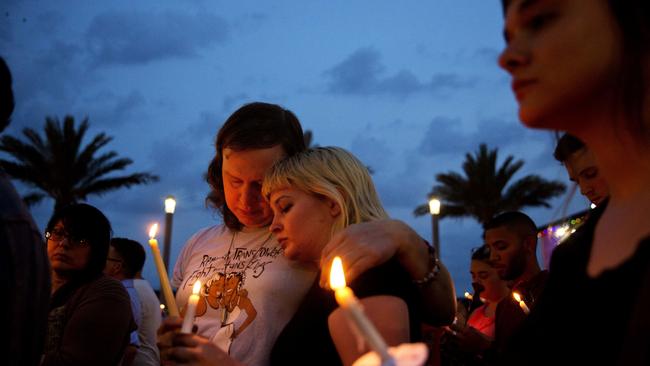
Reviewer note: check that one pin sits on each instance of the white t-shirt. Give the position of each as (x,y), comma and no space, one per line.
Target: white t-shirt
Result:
(150,319)
(249,289)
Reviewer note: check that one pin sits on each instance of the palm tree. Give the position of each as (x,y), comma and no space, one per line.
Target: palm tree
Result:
(482,193)
(60,167)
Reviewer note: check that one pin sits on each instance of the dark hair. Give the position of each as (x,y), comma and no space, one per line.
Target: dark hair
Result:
(481,253)
(6,95)
(633,18)
(253,126)
(86,222)
(513,220)
(567,145)
(132,254)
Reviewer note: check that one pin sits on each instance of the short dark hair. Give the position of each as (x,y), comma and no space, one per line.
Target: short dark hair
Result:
(6,95)
(86,222)
(513,220)
(481,253)
(253,126)
(567,145)
(132,253)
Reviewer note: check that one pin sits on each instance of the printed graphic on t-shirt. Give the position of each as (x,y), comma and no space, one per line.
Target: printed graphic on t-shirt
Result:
(223,288)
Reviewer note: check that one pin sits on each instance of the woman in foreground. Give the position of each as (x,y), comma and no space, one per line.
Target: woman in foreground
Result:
(583,66)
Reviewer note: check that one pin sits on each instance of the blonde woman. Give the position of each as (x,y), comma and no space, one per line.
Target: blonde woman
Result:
(313,195)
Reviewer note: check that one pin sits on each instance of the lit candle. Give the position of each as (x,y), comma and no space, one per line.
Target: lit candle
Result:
(469,296)
(521,302)
(353,309)
(190,310)
(162,272)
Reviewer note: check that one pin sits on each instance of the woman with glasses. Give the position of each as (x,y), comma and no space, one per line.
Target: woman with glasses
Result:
(90,314)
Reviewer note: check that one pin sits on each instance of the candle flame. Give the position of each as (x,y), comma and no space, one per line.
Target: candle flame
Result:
(153,230)
(162,306)
(337,277)
(197,287)
(468,296)
(516,296)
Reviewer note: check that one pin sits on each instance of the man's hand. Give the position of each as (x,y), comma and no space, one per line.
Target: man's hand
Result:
(191,349)
(168,328)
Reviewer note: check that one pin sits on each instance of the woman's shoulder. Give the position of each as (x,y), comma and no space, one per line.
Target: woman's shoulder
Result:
(105,282)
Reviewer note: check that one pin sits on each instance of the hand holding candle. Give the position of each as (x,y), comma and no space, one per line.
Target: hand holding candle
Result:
(162,272)
(350,304)
(190,310)
(521,302)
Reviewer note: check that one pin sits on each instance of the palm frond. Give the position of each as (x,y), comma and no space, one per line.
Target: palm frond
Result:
(60,166)
(482,190)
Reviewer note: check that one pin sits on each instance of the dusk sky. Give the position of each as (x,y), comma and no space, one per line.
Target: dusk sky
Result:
(409,87)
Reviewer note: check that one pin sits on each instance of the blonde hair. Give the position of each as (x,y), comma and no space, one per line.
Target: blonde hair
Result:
(330,172)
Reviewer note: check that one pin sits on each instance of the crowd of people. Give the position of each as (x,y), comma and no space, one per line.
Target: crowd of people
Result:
(578,66)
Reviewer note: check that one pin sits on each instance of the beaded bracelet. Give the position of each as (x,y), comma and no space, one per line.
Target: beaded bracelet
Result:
(435,268)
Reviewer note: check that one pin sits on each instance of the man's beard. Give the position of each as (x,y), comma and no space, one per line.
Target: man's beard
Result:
(517,267)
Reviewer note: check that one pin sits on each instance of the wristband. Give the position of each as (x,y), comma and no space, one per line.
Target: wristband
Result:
(434,265)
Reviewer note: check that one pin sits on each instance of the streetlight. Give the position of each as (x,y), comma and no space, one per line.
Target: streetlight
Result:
(170,207)
(434,210)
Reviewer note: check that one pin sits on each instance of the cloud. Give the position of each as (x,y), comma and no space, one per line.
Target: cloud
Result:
(249,22)
(361,73)
(181,159)
(50,22)
(357,74)
(46,83)
(373,152)
(231,101)
(6,31)
(443,135)
(206,128)
(115,110)
(129,38)
(51,72)
(489,54)
(446,135)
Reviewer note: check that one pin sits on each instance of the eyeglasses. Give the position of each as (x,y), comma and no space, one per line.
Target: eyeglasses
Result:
(57,236)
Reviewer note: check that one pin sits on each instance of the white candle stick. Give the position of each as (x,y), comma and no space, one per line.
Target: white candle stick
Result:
(353,309)
(165,287)
(521,302)
(190,310)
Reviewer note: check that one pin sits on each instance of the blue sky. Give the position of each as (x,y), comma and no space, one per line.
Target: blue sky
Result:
(408,87)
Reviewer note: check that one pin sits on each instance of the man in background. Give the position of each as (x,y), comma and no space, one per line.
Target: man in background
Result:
(580,164)
(512,239)
(125,260)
